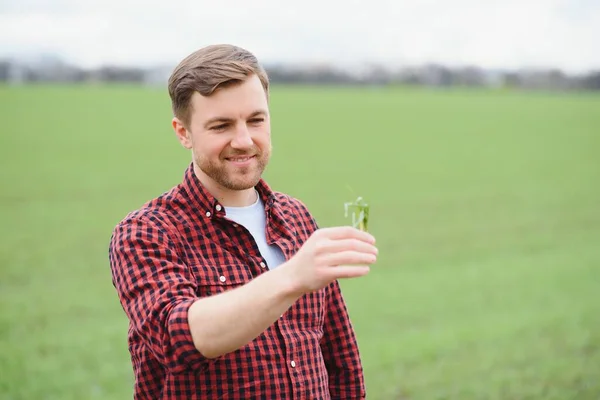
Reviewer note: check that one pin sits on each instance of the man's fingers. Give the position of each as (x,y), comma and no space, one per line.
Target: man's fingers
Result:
(347,232)
(334,246)
(349,257)
(348,271)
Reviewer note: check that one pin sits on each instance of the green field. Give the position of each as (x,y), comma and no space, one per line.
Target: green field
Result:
(486,207)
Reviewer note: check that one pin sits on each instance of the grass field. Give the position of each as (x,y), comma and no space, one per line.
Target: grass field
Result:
(486,207)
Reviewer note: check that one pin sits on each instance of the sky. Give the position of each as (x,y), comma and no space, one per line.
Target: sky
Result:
(502,34)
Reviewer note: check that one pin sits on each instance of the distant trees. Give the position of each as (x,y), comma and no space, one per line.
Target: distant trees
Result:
(51,69)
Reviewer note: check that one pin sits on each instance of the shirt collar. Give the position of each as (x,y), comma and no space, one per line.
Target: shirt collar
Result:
(208,204)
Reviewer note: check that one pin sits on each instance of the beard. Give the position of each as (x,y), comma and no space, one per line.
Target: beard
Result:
(233,177)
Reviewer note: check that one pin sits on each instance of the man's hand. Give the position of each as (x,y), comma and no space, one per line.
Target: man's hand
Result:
(330,254)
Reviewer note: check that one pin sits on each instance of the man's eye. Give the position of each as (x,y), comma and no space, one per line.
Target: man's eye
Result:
(219,127)
(257,120)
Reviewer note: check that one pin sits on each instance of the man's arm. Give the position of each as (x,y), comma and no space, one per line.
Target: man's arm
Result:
(251,309)
(158,292)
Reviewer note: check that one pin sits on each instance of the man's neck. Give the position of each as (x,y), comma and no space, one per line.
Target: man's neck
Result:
(226,197)
(237,198)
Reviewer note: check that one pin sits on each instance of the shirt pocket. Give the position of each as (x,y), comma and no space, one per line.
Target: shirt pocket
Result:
(218,279)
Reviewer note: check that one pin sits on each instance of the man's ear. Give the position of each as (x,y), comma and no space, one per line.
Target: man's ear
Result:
(182,133)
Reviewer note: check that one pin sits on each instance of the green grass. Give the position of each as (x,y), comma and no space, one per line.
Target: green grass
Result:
(486,207)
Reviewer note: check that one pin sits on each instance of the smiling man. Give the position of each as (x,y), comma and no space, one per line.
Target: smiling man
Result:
(230,287)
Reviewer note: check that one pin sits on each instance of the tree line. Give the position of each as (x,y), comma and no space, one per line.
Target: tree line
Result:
(433,75)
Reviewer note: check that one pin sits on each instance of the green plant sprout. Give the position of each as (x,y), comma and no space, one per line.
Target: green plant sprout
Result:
(360,213)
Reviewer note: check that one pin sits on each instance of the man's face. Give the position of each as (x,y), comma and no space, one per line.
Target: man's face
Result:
(229,135)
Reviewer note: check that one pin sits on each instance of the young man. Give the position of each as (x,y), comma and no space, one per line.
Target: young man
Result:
(230,288)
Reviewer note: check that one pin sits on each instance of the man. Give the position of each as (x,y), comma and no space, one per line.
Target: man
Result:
(231,289)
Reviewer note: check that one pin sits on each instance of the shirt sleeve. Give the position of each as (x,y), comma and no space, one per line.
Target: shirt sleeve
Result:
(155,290)
(340,349)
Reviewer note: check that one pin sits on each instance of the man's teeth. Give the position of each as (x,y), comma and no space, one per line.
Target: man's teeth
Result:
(242,159)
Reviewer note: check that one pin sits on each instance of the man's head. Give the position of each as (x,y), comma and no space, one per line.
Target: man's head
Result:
(219,97)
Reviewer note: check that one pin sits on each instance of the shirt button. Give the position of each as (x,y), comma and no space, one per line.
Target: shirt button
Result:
(208,213)
(236,225)
(263,265)
(218,207)
(222,278)
(293,364)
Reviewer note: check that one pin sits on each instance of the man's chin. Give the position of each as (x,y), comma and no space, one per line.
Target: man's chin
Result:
(240,185)
(237,181)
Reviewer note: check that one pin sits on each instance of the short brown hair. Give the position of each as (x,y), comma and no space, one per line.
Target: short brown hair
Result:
(208,69)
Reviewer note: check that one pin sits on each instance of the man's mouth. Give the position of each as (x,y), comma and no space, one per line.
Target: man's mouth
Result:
(239,158)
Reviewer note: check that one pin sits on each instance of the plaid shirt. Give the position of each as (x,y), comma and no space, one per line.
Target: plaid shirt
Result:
(180,247)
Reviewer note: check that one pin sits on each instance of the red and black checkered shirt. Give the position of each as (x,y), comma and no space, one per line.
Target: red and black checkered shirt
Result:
(180,247)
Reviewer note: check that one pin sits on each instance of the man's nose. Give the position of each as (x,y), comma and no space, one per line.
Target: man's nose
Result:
(242,137)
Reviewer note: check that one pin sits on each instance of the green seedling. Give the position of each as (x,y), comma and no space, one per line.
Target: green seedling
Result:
(360,213)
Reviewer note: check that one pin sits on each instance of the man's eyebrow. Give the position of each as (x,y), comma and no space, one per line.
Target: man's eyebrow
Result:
(226,119)
(217,119)
(258,112)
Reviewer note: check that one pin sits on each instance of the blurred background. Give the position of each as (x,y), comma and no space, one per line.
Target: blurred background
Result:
(472,129)
(547,44)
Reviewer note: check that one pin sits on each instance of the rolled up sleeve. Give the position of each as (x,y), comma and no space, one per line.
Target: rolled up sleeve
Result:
(156,290)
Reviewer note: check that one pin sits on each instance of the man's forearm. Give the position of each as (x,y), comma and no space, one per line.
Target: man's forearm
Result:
(228,321)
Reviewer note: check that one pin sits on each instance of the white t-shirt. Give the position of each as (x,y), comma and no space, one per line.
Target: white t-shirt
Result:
(253,218)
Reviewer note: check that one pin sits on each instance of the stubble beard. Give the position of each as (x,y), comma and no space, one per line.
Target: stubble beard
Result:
(231,177)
